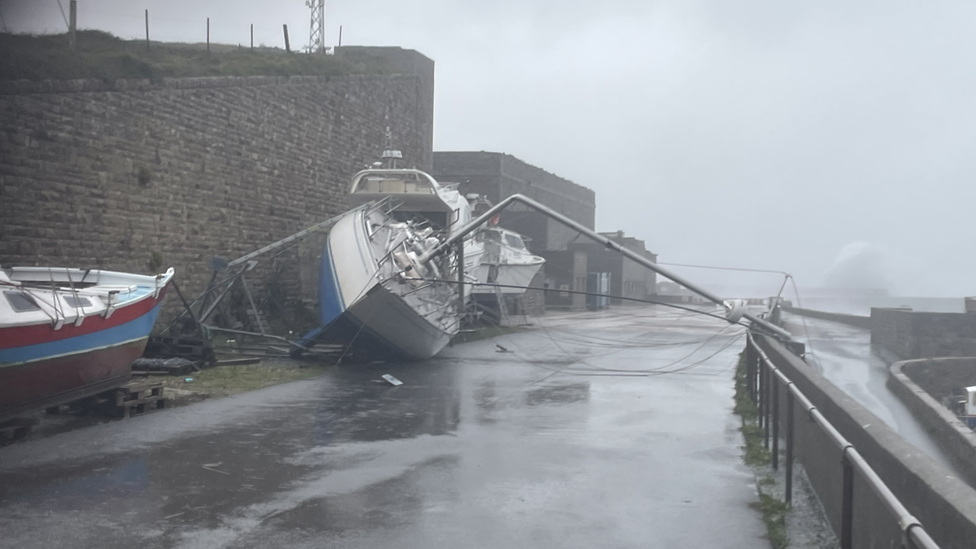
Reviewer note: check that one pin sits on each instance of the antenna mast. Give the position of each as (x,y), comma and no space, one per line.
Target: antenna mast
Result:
(316,27)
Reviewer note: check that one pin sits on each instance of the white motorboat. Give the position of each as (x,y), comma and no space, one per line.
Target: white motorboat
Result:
(507,266)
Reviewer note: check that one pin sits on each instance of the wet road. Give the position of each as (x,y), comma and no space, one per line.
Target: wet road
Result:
(609,429)
(843,355)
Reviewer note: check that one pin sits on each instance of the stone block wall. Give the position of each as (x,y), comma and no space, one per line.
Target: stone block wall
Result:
(139,176)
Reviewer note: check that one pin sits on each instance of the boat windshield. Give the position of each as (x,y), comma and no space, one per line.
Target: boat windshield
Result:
(405,183)
(514,241)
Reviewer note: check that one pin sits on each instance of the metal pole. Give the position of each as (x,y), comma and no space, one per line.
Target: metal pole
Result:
(340,36)
(257,314)
(72,24)
(762,394)
(284,29)
(775,401)
(789,445)
(847,504)
(208,35)
(767,379)
(147,30)
(751,368)
(252,36)
(610,244)
(460,275)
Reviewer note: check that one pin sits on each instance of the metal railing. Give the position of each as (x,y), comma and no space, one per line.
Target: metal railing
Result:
(764,382)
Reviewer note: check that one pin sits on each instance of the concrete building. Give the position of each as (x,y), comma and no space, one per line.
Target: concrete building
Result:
(628,279)
(498,176)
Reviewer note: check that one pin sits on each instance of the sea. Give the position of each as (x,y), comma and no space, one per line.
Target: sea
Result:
(862,305)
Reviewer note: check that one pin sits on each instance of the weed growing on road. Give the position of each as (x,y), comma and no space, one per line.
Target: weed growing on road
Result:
(774,515)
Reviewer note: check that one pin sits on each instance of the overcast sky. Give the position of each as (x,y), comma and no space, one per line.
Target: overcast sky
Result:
(830,139)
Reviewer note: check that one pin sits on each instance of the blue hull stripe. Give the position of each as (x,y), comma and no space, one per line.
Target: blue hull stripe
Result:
(136,328)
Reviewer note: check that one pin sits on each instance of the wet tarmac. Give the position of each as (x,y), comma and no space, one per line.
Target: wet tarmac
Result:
(843,355)
(605,429)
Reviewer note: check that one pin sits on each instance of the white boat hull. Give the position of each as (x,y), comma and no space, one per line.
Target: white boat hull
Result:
(510,279)
(369,303)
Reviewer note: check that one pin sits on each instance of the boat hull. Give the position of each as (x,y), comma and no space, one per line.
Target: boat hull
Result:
(358,307)
(54,381)
(43,366)
(511,279)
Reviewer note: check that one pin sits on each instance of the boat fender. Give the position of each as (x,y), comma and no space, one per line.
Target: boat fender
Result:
(734,310)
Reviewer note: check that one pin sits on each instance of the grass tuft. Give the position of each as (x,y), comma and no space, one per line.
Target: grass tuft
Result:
(773,510)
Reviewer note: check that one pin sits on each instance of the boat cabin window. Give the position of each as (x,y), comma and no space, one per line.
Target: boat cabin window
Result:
(77,302)
(401,183)
(21,302)
(514,241)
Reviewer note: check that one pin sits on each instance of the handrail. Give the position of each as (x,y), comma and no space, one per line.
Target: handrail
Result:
(852,460)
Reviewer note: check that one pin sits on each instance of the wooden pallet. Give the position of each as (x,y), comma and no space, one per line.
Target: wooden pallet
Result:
(16,430)
(138,397)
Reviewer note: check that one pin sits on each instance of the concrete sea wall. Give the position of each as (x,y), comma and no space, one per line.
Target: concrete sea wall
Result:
(945,506)
(922,384)
(911,334)
(139,175)
(853,320)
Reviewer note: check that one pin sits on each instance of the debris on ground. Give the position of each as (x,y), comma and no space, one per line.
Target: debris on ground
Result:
(392,380)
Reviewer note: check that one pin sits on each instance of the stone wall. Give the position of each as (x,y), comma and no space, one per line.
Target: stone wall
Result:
(909,334)
(139,176)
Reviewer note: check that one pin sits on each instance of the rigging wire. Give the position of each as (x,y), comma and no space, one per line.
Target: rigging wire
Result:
(65,17)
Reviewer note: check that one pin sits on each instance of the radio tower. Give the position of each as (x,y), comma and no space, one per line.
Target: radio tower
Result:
(316,27)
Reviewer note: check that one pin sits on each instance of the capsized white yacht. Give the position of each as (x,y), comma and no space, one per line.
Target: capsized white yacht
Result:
(374,294)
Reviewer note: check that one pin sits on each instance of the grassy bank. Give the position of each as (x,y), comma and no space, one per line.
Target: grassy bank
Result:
(103,56)
(756,455)
(221,381)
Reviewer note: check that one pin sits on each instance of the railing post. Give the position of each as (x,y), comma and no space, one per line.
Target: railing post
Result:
(789,445)
(760,394)
(767,380)
(751,356)
(847,504)
(775,401)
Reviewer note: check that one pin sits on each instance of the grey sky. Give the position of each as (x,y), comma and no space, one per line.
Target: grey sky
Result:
(751,133)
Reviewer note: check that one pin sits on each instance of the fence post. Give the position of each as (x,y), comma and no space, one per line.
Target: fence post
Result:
(208,35)
(789,445)
(775,401)
(252,36)
(72,24)
(767,379)
(760,397)
(284,29)
(147,30)
(751,368)
(847,504)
